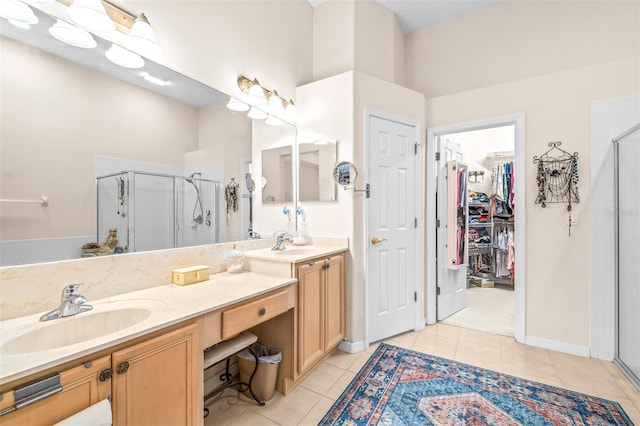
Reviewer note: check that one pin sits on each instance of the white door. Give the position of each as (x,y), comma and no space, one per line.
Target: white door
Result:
(391,257)
(451,283)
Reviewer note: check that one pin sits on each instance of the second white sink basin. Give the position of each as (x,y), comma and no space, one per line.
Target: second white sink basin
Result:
(296,251)
(103,320)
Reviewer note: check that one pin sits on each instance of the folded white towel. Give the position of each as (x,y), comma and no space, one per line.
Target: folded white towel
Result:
(98,414)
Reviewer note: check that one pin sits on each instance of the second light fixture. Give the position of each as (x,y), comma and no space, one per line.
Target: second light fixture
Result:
(262,104)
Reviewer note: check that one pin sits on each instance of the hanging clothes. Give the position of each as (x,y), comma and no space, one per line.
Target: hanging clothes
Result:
(502,189)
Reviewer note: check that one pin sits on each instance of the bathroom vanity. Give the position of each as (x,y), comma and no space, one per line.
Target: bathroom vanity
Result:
(153,367)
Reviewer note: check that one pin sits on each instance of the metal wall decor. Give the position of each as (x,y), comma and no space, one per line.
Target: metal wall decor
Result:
(557,177)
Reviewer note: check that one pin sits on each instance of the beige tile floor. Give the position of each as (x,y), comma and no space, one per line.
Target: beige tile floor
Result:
(309,401)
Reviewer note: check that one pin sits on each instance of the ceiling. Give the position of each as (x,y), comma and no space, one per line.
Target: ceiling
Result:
(415,15)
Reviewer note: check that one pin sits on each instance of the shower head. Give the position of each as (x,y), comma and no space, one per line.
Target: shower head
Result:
(251,186)
(192,176)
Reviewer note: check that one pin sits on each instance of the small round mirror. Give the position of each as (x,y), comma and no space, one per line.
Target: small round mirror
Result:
(345,173)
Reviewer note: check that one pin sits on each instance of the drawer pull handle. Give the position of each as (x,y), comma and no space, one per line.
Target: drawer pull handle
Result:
(122,367)
(105,374)
(262,311)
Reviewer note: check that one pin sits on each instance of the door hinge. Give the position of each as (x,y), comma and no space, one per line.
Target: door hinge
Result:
(437,223)
(415,296)
(437,156)
(415,222)
(415,148)
(438,291)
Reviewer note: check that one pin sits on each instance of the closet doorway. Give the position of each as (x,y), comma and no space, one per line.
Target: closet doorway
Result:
(492,152)
(490,303)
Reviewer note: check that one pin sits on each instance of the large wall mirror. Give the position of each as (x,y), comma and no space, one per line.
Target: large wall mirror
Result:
(80,130)
(315,171)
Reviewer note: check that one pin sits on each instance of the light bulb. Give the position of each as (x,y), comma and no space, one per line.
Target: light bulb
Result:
(256,94)
(123,57)
(257,114)
(236,105)
(91,15)
(142,39)
(17,13)
(275,105)
(72,35)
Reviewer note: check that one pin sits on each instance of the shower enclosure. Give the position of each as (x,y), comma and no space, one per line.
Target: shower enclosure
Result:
(153,211)
(626,148)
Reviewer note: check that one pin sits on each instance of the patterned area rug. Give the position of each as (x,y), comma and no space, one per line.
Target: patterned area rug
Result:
(402,387)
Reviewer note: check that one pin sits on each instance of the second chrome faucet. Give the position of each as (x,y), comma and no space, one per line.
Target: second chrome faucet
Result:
(71,303)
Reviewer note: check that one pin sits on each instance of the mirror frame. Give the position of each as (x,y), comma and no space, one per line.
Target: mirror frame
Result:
(342,174)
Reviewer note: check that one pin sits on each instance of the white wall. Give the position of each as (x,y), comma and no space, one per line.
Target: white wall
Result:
(357,36)
(216,41)
(517,40)
(584,51)
(556,107)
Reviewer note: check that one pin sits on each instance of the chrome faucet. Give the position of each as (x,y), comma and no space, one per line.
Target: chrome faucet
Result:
(280,239)
(71,303)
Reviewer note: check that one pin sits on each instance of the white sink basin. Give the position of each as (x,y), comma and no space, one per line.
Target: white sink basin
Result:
(103,320)
(296,251)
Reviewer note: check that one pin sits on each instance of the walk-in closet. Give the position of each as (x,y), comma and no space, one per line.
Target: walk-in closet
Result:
(489,157)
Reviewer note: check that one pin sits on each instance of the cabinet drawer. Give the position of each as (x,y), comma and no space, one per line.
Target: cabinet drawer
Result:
(243,317)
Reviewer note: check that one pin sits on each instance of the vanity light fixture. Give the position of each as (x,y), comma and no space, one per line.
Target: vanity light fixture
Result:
(72,35)
(142,39)
(290,111)
(277,109)
(123,57)
(18,13)
(257,114)
(275,106)
(154,80)
(91,15)
(236,105)
(256,95)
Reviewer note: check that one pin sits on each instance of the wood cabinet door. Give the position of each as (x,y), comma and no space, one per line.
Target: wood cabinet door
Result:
(334,302)
(81,387)
(310,314)
(157,382)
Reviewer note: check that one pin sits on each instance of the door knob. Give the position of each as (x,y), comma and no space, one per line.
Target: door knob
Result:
(375,240)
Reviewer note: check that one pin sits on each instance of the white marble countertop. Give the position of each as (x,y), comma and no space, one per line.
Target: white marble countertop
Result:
(295,254)
(163,306)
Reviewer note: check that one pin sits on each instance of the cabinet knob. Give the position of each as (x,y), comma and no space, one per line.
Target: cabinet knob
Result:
(105,375)
(122,367)
(262,311)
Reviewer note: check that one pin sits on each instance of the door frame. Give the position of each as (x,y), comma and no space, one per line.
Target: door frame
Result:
(419,318)
(517,120)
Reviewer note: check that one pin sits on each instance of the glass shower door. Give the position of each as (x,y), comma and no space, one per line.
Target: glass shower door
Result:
(628,244)
(153,212)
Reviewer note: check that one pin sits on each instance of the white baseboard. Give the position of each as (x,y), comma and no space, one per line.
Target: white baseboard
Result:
(554,345)
(352,347)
